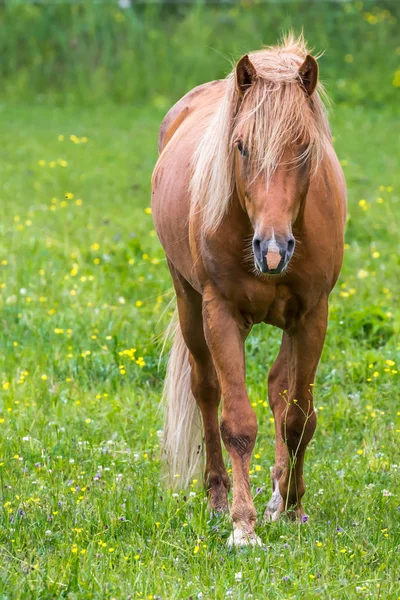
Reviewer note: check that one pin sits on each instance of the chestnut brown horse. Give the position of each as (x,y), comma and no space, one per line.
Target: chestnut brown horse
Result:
(249,203)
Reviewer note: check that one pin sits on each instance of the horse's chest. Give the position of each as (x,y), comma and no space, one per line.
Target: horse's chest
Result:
(274,304)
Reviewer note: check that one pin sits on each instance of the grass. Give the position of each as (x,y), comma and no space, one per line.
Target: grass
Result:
(83,280)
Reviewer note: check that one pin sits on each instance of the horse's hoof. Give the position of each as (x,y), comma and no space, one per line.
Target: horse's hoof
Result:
(271,515)
(218,499)
(218,505)
(217,511)
(239,537)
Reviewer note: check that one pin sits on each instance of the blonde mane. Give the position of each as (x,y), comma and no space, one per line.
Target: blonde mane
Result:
(274,114)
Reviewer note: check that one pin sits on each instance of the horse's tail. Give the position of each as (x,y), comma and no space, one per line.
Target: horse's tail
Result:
(182,423)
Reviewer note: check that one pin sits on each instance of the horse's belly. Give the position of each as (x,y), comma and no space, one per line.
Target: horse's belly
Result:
(170,208)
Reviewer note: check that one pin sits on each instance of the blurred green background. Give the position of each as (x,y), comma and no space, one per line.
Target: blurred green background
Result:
(128,52)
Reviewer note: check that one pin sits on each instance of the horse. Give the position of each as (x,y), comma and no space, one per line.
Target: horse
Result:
(249,204)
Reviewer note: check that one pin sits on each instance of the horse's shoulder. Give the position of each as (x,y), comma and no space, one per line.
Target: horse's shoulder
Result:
(184,107)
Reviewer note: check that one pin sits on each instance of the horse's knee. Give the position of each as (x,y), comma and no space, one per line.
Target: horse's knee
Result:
(239,430)
(298,428)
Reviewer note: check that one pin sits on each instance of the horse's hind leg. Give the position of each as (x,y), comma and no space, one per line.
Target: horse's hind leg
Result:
(278,384)
(205,389)
(295,416)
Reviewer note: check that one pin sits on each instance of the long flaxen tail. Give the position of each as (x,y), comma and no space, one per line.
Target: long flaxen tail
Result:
(182,443)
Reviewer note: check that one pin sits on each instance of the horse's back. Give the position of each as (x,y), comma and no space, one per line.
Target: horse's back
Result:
(202,95)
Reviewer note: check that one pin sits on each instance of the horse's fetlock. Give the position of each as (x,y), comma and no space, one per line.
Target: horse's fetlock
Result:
(215,480)
(244,514)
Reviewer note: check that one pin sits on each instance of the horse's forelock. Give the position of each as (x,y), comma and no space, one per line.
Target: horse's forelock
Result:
(274,114)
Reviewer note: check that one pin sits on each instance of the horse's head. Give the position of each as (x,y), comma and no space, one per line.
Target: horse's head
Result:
(273,139)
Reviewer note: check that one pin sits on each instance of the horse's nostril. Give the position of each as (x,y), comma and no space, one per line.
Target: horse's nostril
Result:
(257,246)
(290,245)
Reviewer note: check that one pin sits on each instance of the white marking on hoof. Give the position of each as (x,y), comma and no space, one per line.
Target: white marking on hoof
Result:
(272,516)
(272,512)
(240,537)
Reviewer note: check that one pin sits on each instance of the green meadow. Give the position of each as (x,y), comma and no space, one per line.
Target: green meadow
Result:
(85,296)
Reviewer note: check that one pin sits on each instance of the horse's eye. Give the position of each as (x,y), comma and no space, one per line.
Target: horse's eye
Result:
(242,149)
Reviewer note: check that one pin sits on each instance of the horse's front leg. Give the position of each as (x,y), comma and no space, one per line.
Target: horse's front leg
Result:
(225,334)
(297,419)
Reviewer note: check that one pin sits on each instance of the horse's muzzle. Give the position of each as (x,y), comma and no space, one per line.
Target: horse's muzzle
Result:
(273,255)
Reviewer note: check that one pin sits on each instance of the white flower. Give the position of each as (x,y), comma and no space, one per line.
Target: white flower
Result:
(238,576)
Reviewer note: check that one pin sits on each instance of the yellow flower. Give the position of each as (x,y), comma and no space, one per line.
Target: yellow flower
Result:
(196,549)
(363,204)
(139,303)
(376,254)
(111,549)
(44,377)
(396,79)
(257,468)
(95,246)
(69,195)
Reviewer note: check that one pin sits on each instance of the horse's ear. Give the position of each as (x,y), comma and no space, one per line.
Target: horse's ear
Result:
(308,73)
(245,74)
